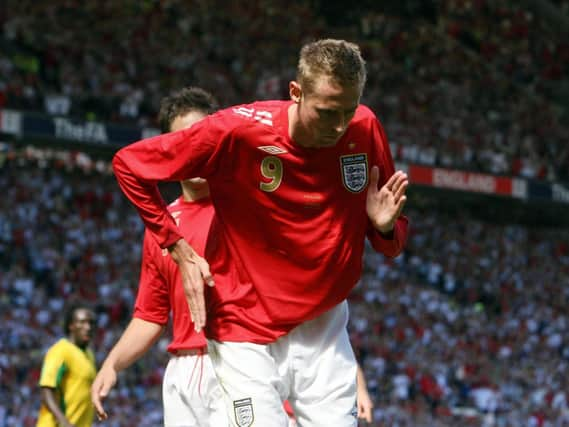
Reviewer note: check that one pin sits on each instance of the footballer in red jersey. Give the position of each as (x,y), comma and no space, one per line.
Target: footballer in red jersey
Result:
(297,187)
(191,393)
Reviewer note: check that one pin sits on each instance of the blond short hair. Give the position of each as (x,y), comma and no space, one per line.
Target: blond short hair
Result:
(339,60)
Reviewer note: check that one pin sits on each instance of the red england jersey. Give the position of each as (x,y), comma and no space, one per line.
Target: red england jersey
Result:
(160,288)
(287,240)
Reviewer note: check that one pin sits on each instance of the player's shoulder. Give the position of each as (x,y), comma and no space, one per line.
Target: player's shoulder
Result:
(365,120)
(364,113)
(259,112)
(61,345)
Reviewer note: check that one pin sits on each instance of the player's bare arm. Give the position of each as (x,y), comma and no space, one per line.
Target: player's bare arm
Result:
(104,382)
(135,341)
(384,205)
(195,273)
(363,399)
(49,399)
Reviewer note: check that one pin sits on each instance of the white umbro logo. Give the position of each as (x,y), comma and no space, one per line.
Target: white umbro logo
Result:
(271,149)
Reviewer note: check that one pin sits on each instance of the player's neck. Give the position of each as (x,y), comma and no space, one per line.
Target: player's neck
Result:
(81,345)
(194,194)
(295,130)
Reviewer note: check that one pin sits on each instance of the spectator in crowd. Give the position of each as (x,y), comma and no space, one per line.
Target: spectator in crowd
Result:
(429,77)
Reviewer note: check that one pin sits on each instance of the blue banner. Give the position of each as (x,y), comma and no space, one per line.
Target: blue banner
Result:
(33,125)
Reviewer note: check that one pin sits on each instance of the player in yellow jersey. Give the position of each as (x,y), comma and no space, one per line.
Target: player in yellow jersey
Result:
(68,371)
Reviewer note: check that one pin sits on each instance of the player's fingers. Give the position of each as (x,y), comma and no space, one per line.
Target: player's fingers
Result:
(199,321)
(206,273)
(395,181)
(367,414)
(364,413)
(400,191)
(400,204)
(399,181)
(196,298)
(105,389)
(190,298)
(188,285)
(101,413)
(392,179)
(96,398)
(95,387)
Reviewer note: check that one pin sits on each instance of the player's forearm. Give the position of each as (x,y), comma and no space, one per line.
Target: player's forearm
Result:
(135,341)
(145,196)
(393,244)
(140,166)
(360,379)
(49,400)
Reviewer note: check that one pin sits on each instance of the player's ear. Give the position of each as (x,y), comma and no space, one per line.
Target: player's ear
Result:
(295,91)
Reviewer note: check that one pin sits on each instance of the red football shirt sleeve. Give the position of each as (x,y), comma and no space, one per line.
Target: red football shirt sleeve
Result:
(153,300)
(175,156)
(393,244)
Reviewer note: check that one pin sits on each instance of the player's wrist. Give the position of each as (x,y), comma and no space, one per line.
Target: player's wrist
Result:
(174,246)
(388,235)
(386,230)
(109,365)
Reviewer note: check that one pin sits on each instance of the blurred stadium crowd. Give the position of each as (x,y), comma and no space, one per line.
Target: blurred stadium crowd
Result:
(463,83)
(468,327)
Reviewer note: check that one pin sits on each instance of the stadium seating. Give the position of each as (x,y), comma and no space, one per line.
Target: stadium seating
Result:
(467,327)
(476,86)
(470,322)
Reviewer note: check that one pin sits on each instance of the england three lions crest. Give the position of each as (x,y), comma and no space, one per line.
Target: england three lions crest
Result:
(244,415)
(354,172)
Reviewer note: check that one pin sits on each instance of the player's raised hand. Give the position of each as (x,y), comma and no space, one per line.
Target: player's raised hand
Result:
(195,273)
(384,205)
(104,382)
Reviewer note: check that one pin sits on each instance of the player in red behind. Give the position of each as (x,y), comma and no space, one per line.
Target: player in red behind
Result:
(297,187)
(191,395)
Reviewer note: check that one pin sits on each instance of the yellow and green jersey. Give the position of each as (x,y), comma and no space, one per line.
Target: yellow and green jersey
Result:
(70,371)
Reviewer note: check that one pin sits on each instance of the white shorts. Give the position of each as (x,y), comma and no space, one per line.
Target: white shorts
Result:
(313,367)
(191,393)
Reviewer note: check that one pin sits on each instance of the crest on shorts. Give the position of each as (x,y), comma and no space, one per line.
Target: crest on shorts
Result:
(354,171)
(243,409)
